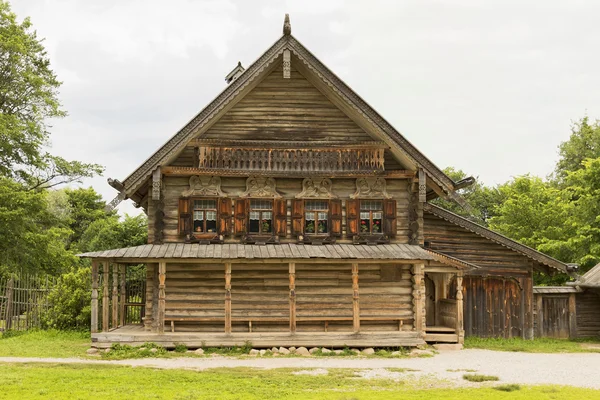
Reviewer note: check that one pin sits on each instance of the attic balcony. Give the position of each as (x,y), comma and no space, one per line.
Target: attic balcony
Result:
(287,158)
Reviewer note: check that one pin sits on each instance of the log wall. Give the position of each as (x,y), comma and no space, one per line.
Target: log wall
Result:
(288,188)
(260,297)
(588,314)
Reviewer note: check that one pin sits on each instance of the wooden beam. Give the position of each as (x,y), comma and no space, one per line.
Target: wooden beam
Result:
(156,183)
(287,64)
(192,171)
(572,316)
(162,275)
(105,300)
(418,299)
(422,186)
(115,296)
(460,330)
(292,272)
(355,299)
(227,297)
(94,317)
(123,294)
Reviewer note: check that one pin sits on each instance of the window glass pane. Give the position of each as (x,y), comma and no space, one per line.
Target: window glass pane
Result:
(310,216)
(377,223)
(266,223)
(316,205)
(364,215)
(377,215)
(205,204)
(211,225)
(211,215)
(322,223)
(198,215)
(368,205)
(254,226)
(267,215)
(254,215)
(309,223)
(257,204)
(198,221)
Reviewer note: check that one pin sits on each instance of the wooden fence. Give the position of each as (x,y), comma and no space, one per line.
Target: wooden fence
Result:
(23,299)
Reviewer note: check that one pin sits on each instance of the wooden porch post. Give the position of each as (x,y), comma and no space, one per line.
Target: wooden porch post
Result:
(355,303)
(115,296)
(105,300)
(162,274)
(292,271)
(572,316)
(227,297)
(94,324)
(418,298)
(123,294)
(460,331)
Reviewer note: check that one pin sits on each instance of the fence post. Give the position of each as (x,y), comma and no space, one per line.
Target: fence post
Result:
(123,294)
(9,304)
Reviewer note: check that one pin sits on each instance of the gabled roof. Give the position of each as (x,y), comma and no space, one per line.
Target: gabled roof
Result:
(495,237)
(590,279)
(251,76)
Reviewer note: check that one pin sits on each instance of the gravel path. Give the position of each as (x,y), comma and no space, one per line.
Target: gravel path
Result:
(575,369)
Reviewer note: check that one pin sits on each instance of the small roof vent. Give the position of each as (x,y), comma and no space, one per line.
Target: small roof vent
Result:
(235,73)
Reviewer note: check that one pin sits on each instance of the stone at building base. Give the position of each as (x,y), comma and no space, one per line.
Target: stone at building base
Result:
(448,346)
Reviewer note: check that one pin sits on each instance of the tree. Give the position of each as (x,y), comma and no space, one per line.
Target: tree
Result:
(583,143)
(31,237)
(112,233)
(28,98)
(481,198)
(86,206)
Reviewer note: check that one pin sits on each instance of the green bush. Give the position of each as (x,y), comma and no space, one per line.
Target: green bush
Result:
(508,388)
(180,348)
(480,378)
(70,302)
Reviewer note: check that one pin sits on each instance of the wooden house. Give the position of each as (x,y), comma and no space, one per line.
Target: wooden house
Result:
(289,212)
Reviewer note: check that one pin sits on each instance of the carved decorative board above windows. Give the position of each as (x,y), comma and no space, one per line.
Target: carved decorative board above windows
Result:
(204,220)
(371,221)
(291,157)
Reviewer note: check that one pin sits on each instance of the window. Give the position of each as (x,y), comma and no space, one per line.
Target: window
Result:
(204,214)
(371,217)
(316,217)
(261,216)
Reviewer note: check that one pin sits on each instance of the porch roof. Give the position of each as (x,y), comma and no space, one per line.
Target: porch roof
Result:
(270,251)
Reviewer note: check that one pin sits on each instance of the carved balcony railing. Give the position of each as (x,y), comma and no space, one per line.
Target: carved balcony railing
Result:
(296,157)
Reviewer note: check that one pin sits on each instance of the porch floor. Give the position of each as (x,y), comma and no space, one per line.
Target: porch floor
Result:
(135,335)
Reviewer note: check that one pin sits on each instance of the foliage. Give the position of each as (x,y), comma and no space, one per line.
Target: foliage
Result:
(480,378)
(112,233)
(70,301)
(537,345)
(31,238)
(48,343)
(86,206)
(60,381)
(28,98)
(583,143)
(481,198)
(124,352)
(180,348)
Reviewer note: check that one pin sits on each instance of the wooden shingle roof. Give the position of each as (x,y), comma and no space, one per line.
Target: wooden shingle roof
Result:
(590,279)
(272,251)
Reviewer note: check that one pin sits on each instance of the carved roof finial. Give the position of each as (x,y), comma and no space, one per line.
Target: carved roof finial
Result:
(287,27)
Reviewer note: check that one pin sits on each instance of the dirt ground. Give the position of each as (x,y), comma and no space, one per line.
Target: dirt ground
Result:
(447,367)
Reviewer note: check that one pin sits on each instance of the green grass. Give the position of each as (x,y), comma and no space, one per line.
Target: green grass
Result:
(50,343)
(35,381)
(540,345)
(480,378)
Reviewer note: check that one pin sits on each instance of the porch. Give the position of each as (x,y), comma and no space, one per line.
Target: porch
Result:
(312,301)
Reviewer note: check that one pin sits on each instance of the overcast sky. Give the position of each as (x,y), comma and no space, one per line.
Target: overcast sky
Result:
(490,87)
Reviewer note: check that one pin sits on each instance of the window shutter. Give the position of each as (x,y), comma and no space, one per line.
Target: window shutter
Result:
(224,216)
(298,216)
(241,216)
(352,216)
(280,211)
(390,226)
(185,217)
(335,217)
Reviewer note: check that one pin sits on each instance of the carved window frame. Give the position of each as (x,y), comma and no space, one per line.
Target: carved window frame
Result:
(316,212)
(261,211)
(371,211)
(204,234)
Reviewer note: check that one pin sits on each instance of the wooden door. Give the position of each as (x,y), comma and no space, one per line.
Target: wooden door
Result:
(555,317)
(429,301)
